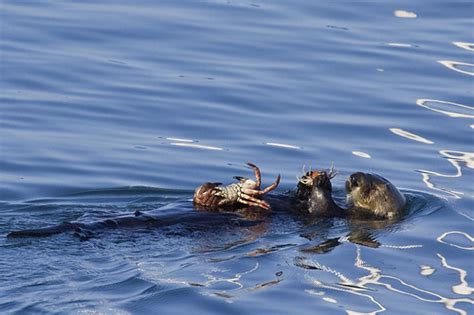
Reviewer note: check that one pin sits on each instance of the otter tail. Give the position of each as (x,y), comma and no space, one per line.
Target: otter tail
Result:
(47,231)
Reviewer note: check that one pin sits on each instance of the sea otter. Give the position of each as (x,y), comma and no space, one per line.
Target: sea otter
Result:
(368,195)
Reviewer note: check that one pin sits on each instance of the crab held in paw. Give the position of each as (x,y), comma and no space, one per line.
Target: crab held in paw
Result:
(244,192)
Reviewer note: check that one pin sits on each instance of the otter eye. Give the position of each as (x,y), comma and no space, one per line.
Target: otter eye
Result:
(354,182)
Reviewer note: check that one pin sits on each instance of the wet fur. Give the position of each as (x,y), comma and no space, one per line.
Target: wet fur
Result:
(371,194)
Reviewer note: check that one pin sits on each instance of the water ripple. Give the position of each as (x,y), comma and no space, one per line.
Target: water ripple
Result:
(361,154)
(196,146)
(456,66)
(282,145)
(464,45)
(467,236)
(450,109)
(410,135)
(404,14)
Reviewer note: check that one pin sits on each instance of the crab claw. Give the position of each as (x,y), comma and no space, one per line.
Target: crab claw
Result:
(272,186)
(258,176)
(277,181)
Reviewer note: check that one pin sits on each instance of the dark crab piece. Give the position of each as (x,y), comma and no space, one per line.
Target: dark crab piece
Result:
(245,191)
(312,177)
(306,181)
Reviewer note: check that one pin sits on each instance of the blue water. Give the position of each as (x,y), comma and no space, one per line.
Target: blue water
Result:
(108,108)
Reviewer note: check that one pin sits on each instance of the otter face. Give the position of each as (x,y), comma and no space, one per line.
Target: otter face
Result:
(358,185)
(375,194)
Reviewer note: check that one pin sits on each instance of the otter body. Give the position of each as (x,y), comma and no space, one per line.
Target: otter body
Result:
(150,219)
(369,195)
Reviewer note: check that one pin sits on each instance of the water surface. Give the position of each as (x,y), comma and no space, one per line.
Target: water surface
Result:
(108,108)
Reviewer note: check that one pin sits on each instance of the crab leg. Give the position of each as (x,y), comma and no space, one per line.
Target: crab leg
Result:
(258,176)
(272,186)
(255,192)
(251,201)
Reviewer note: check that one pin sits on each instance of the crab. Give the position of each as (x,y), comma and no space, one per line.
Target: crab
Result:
(245,192)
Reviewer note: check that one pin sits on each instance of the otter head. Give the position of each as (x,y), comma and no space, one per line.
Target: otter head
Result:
(373,194)
(358,187)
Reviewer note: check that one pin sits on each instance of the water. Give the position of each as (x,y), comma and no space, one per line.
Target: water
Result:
(116,107)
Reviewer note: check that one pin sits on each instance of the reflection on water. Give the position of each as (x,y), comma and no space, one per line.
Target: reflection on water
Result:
(196,146)
(361,154)
(463,45)
(410,135)
(399,45)
(180,140)
(466,157)
(454,158)
(467,236)
(458,66)
(450,109)
(395,284)
(405,14)
(212,278)
(426,270)
(463,288)
(282,145)
(189,143)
